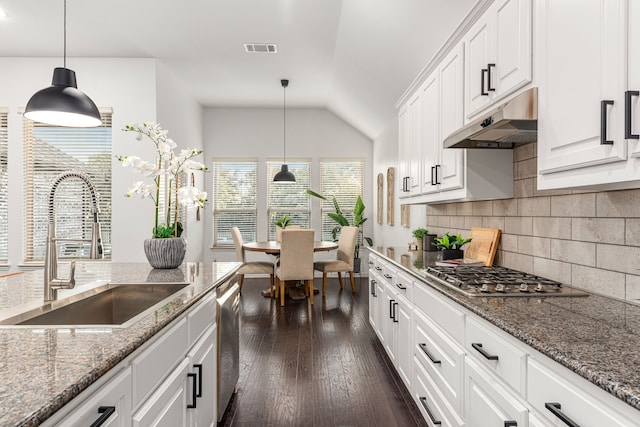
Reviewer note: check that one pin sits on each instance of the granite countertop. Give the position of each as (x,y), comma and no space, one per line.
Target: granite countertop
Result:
(596,337)
(43,369)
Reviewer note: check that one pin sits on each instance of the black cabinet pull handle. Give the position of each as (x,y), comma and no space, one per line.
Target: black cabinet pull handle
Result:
(395,318)
(388,276)
(482,351)
(627,114)
(401,286)
(391,301)
(489,67)
(483,73)
(437,169)
(511,423)
(198,366)
(423,401)
(423,347)
(193,395)
(370,262)
(373,288)
(433,181)
(555,407)
(603,122)
(378,268)
(106,412)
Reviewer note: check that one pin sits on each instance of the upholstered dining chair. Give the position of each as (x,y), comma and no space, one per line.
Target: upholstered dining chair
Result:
(343,261)
(296,260)
(253,267)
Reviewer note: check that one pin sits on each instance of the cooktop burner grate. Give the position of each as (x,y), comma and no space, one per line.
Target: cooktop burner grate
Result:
(498,281)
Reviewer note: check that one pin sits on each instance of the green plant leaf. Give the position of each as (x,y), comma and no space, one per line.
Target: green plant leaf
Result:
(314,194)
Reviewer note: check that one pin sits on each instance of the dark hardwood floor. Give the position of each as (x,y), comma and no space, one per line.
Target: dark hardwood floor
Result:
(320,366)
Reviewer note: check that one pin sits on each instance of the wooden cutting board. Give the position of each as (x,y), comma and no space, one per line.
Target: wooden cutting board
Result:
(483,245)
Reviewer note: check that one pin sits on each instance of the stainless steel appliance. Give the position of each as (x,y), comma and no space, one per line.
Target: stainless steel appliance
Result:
(512,123)
(479,281)
(228,320)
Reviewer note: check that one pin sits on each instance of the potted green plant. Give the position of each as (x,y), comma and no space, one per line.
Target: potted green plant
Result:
(419,234)
(342,221)
(281,224)
(451,246)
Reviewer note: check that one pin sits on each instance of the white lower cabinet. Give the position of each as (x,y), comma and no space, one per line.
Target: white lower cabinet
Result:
(203,366)
(562,398)
(433,407)
(111,403)
(464,371)
(440,358)
(487,403)
(167,406)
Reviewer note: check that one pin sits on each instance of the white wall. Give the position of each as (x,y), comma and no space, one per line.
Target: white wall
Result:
(258,133)
(131,88)
(385,155)
(181,114)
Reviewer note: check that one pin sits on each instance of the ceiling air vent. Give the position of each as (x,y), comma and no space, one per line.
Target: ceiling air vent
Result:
(260,48)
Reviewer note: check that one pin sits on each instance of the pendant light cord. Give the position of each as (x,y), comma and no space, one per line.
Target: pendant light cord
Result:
(64,51)
(284,124)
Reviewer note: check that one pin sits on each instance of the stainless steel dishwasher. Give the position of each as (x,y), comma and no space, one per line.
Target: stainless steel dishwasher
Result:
(228,318)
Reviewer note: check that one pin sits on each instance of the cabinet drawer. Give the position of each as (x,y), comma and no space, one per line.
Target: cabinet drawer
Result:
(585,404)
(437,308)
(201,317)
(432,407)
(115,394)
(494,352)
(487,403)
(404,286)
(441,358)
(156,361)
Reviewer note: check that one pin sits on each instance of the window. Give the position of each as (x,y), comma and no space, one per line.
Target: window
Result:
(49,151)
(288,198)
(344,180)
(4,191)
(235,202)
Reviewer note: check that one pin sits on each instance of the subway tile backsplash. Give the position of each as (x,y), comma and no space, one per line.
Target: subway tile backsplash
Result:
(586,239)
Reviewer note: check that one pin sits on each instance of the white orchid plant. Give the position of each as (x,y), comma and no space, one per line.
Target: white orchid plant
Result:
(169,166)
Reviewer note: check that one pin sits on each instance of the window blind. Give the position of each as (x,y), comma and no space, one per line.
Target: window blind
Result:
(49,151)
(288,198)
(235,200)
(344,180)
(4,190)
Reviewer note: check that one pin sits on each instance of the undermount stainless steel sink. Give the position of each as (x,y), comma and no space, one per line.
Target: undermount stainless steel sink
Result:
(113,305)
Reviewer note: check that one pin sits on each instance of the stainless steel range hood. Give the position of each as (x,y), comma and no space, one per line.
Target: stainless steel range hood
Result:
(515,122)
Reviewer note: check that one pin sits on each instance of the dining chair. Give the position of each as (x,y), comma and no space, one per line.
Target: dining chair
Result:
(253,267)
(296,260)
(343,261)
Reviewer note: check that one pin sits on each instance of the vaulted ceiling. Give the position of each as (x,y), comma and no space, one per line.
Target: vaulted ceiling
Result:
(352,57)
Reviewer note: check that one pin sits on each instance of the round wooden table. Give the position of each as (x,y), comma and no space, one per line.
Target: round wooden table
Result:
(273,248)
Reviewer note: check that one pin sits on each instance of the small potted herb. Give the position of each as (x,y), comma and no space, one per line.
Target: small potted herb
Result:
(419,233)
(451,246)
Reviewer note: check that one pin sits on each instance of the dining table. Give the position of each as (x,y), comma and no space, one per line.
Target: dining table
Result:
(273,247)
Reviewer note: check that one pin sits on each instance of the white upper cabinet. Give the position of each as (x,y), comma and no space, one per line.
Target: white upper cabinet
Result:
(588,70)
(497,54)
(435,110)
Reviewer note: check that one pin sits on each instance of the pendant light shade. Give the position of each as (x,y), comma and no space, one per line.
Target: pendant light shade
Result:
(284,175)
(62,104)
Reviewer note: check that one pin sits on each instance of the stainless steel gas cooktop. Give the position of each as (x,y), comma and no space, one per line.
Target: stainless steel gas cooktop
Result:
(478,281)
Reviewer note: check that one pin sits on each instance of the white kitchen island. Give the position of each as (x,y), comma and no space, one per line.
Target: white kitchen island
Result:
(42,370)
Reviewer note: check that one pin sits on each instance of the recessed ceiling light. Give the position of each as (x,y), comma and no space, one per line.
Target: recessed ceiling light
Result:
(260,48)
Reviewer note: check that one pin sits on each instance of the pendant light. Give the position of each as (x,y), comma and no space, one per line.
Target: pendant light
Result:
(284,175)
(62,104)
